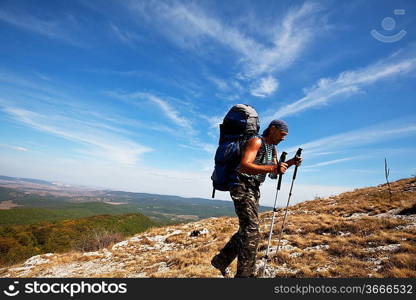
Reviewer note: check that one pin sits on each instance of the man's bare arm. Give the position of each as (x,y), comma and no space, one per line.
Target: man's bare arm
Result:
(247,162)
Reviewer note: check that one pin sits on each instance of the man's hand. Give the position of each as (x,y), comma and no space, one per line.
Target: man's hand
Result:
(297,161)
(281,170)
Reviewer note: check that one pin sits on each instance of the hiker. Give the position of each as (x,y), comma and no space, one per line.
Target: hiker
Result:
(258,159)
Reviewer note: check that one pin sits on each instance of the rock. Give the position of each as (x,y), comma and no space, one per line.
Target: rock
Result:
(295,254)
(341,233)
(107,254)
(322,269)
(387,248)
(95,253)
(357,215)
(197,232)
(264,272)
(37,260)
(317,247)
(135,239)
(120,245)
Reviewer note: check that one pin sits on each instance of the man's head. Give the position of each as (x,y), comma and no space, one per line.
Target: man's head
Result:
(276,131)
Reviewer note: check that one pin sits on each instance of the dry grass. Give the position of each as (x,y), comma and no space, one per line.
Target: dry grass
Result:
(355,234)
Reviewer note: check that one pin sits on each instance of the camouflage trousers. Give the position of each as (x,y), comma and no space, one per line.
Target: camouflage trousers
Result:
(243,244)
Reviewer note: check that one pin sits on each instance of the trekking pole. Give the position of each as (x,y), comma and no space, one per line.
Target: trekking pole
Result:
(298,153)
(279,183)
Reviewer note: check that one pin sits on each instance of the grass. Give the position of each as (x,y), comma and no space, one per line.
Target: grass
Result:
(326,236)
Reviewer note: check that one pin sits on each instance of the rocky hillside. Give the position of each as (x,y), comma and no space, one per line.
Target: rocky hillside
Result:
(363,233)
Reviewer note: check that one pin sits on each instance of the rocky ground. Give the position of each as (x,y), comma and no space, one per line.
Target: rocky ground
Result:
(363,233)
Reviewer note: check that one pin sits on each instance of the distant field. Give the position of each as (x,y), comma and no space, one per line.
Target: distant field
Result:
(160,208)
(23,215)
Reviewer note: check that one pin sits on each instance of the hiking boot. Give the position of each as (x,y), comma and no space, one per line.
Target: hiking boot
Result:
(224,270)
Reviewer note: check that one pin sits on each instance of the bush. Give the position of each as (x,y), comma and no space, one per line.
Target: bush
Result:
(97,239)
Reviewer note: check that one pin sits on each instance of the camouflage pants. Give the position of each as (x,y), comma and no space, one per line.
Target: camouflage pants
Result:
(243,244)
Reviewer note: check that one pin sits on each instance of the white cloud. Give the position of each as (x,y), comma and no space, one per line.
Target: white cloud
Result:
(192,27)
(265,87)
(54,29)
(167,109)
(42,76)
(16,148)
(220,83)
(125,36)
(187,131)
(171,113)
(381,132)
(210,148)
(290,38)
(213,121)
(329,162)
(345,84)
(96,142)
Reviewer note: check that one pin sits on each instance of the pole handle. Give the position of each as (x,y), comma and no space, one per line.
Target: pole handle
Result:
(282,159)
(298,154)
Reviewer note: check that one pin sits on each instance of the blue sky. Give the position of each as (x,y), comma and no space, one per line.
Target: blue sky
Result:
(129,94)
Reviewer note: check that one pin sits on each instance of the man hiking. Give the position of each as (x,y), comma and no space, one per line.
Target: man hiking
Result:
(258,159)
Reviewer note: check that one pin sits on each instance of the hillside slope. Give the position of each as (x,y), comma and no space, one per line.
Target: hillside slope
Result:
(362,233)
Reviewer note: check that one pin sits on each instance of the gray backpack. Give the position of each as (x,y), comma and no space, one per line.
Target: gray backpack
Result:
(239,125)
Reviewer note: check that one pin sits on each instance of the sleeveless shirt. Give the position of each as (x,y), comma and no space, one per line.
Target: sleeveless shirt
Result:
(264,157)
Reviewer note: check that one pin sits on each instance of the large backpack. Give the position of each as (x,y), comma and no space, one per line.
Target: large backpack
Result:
(239,125)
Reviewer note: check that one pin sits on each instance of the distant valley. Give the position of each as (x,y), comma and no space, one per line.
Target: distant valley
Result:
(38,216)
(68,201)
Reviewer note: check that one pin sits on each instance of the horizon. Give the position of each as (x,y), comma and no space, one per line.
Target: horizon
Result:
(129,95)
(97,188)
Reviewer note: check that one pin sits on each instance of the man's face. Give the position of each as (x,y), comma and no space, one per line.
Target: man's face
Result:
(277,135)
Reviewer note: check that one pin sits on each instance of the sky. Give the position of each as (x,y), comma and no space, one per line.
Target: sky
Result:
(128,95)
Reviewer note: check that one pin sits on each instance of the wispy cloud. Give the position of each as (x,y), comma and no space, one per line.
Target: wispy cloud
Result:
(213,121)
(125,36)
(190,26)
(290,38)
(176,117)
(229,89)
(345,84)
(53,29)
(221,84)
(210,148)
(97,142)
(167,109)
(16,148)
(329,162)
(42,76)
(170,112)
(365,136)
(187,132)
